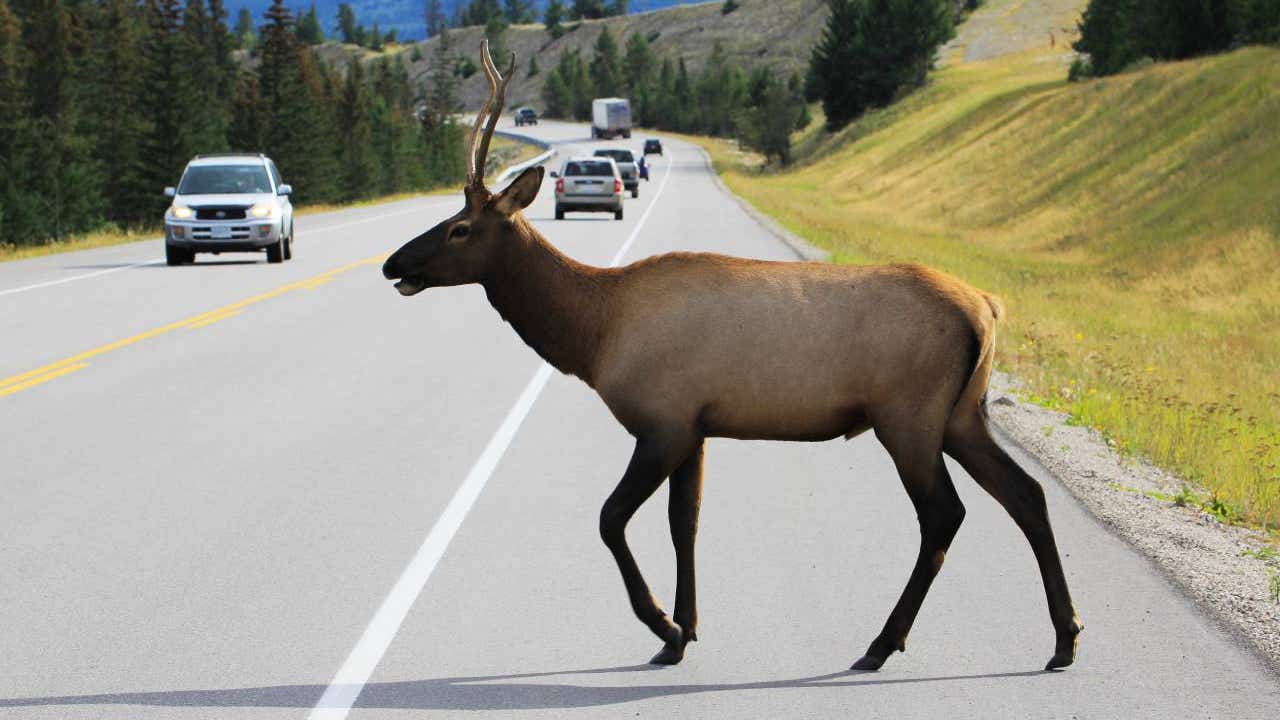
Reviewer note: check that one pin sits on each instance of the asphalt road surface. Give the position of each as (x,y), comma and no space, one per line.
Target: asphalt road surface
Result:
(229,491)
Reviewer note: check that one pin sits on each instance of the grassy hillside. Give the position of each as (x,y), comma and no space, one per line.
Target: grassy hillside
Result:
(777,33)
(1132,225)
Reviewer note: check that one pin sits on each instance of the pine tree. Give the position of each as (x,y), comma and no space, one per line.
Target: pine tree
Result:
(442,138)
(115,93)
(170,144)
(220,44)
(245,36)
(719,94)
(683,99)
(640,62)
(435,19)
(347,24)
(248,129)
(375,38)
(207,128)
(21,220)
(615,8)
(310,32)
(518,12)
(553,17)
(606,69)
(557,96)
(533,66)
(480,12)
(296,134)
(1105,35)
(495,30)
(587,10)
(354,111)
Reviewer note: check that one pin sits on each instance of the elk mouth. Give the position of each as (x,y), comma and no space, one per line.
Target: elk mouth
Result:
(411,285)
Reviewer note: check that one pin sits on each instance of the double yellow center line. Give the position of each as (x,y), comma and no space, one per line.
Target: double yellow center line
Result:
(66,366)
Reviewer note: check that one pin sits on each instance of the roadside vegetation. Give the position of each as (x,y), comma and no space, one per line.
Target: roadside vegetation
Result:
(502,154)
(102,104)
(1132,225)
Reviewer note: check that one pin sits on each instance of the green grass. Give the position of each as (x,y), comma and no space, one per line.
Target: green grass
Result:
(1131,224)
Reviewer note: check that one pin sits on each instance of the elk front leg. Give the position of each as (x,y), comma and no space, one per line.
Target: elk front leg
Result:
(650,464)
(682,514)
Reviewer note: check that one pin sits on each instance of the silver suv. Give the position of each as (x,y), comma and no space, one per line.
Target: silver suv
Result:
(627,166)
(232,202)
(588,184)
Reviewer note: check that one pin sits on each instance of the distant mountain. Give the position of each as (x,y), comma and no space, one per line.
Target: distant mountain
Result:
(406,16)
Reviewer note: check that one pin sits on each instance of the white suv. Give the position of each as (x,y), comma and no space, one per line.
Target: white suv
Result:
(231,202)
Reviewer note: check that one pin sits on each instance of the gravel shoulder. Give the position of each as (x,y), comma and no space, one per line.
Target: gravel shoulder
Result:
(1217,565)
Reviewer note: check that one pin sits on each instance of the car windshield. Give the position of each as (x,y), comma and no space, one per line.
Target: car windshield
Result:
(617,155)
(588,167)
(224,179)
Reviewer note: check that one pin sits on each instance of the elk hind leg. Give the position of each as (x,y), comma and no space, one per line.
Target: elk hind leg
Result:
(969,441)
(940,512)
(682,514)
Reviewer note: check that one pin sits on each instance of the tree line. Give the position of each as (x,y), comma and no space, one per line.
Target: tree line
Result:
(102,103)
(758,107)
(1115,34)
(871,51)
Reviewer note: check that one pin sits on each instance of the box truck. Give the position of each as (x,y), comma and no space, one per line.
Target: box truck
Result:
(610,117)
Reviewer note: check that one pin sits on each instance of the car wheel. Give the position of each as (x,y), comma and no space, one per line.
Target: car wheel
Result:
(275,253)
(559,213)
(617,214)
(288,246)
(635,192)
(178,256)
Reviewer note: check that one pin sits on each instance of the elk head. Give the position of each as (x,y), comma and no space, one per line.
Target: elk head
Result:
(461,249)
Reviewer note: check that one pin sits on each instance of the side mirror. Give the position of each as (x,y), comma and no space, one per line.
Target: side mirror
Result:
(555,174)
(170,192)
(285,189)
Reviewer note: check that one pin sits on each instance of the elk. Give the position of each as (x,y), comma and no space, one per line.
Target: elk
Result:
(686,346)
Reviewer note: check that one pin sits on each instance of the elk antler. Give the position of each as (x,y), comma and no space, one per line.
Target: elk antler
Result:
(492,109)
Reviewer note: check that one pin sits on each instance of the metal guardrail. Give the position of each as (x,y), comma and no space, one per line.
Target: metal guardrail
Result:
(514,170)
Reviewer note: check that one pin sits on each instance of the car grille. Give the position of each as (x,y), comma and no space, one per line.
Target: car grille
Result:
(220,213)
(238,232)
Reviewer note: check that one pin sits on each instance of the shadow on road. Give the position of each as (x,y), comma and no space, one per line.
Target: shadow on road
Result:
(489,692)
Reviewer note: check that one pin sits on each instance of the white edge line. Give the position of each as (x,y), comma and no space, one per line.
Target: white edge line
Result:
(50,283)
(345,688)
(108,271)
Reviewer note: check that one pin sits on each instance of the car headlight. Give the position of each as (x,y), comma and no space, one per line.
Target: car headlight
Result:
(182,212)
(262,210)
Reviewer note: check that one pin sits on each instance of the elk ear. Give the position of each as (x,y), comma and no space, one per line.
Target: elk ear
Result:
(520,193)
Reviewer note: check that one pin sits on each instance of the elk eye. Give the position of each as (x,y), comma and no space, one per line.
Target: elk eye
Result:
(459,231)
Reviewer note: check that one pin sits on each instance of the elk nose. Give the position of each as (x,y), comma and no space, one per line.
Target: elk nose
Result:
(389,269)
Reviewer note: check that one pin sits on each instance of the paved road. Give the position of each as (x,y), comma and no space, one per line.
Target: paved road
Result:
(216,515)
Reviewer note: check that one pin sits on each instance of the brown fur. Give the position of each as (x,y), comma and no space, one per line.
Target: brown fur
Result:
(686,346)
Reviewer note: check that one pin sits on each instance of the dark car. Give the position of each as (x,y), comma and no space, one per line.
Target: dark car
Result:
(653,146)
(526,116)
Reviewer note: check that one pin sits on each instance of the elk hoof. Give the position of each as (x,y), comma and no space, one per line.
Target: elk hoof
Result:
(670,654)
(868,663)
(1065,653)
(673,652)
(1059,661)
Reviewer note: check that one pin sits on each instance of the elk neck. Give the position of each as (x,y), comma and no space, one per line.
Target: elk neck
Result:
(556,304)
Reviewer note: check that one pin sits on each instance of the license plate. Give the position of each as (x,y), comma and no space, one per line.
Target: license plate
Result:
(220,232)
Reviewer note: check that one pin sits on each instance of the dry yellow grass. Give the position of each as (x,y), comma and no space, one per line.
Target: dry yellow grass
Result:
(1131,224)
